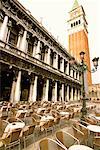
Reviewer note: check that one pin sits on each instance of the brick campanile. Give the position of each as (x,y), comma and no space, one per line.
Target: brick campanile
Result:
(78,36)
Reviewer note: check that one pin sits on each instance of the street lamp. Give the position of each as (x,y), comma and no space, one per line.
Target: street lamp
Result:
(82,67)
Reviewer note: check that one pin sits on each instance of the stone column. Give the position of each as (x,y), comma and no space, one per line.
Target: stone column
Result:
(38,51)
(63,90)
(71,94)
(67,70)
(34,91)
(31,89)
(48,57)
(12,95)
(4,29)
(71,73)
(23,44)
(18,87)
(78,76)
(55,91)
(55,65)
(19,39)
(67,92)
(78,95)
(46,90)
(62,65)
(75,96)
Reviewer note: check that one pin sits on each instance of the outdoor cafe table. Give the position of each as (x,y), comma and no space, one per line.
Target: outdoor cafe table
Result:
(14,125)
(79,147)
(94,128)
(45,119)
(64,113)
(97,118)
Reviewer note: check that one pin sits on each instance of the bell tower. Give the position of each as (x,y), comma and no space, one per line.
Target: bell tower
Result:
(78,35)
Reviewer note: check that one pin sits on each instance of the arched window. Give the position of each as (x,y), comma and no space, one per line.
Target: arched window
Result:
(76,22)
(71,25)
(79,21)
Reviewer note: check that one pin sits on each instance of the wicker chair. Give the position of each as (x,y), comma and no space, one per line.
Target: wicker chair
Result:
(28,134)
(50,144)
(12,139)
(66,139)
(78,134)
(96,143)
(83,129)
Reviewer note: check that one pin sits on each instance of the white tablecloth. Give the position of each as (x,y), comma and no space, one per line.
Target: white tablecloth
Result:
(94,128)
(98,118)
(46,118)
(79,147)
(14,125)
(64,113)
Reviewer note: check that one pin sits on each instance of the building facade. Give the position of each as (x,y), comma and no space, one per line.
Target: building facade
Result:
(94,92)
(78,36)
(33,65)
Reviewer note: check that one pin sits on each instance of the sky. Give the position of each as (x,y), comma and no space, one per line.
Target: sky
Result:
(53,14)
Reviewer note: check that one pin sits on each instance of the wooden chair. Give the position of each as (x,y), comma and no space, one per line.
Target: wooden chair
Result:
(50,144)
(66,139)
(12,139)
(96,143)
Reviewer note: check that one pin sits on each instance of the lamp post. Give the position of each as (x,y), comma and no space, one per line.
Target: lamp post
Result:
(82,67)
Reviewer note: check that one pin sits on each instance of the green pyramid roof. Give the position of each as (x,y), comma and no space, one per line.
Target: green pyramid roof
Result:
(75,5)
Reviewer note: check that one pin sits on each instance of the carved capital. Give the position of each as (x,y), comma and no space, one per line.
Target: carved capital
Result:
(9,24)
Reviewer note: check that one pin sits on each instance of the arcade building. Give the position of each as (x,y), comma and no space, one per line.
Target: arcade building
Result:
(34,66)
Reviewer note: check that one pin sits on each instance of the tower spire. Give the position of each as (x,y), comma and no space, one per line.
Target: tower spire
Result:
(75,5)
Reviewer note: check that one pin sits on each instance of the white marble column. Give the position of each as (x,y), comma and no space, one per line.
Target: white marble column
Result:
(62,65)
(55,91)
(78,95)
(67,92)
(18,88)
(56,61)
(46,90)
(4,29)
(12,95)
(34,91)
(63,89)
(71,73)
(75,96)
(31,90)
(67,70)
(48,57)
(19,38)
(38,51)
(78,76)
(71,94)
(23,44)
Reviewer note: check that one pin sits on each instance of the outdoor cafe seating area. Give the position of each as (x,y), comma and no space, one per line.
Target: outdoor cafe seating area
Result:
(23,124)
